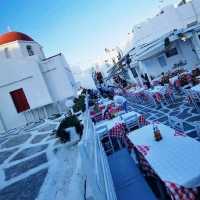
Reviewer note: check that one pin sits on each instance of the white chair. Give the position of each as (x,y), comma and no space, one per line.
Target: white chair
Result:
(107,144)
(176,123)
(131,122)
(121,113)
(102,130)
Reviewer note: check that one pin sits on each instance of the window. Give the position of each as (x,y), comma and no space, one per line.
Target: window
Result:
(20,100)
(134,72)
(7,53)
(30,50)
(171,52)
(162,61)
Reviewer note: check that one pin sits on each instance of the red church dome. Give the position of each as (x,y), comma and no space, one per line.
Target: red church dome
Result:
(14,36)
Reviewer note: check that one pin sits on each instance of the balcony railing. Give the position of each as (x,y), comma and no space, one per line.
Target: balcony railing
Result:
(95,163)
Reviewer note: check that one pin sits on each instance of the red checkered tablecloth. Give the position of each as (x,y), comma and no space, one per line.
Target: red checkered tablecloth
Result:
(175,191)
(173,161)
(118,130)
(114,110)
(148,171)
(142,120)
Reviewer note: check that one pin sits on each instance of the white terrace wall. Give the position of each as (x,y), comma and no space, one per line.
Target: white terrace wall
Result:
(171,18)
(185,53)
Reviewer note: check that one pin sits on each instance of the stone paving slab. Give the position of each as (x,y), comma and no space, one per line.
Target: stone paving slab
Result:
(193,119)
(25,189)
(192,134)
(174,113)
(47,128)
(159,115)
(164,110)
(24,166)
(30,151)
(187,127)
(38,138)
(6,154)
(16,140)
(181,109)
(194,111)
(2,140)
(184,114)
(33,126)
(162,119)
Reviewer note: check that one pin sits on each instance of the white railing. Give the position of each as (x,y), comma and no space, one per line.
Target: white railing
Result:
(95,163)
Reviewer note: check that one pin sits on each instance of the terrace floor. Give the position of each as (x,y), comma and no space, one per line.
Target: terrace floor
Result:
(29,159)
(181,109)
(128,180)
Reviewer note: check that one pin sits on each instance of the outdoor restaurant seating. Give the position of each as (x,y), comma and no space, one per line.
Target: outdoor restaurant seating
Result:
(164,87)
(113,130)
(131,122)
(102,130)
(163,162)
(167,161)
(107,144)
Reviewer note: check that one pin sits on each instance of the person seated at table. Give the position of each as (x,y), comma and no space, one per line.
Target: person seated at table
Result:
(121,101)
(106,113)
(145,80)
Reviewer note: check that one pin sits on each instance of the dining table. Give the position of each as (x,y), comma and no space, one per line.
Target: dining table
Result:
(174,160)
(116,125)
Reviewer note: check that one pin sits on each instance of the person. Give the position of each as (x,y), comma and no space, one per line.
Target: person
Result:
(147,80)
(120,100)
(106,113)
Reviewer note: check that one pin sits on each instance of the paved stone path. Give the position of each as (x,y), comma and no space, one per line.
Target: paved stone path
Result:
(181,109)
(24,160)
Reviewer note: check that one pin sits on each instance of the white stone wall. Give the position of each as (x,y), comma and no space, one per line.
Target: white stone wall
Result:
(16,74)
(14,51)
(44,81)
(171,18)
(37,49)
(58,78)
(18,50)
(185,52)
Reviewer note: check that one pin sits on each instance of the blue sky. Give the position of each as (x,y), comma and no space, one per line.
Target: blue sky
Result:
(81,29)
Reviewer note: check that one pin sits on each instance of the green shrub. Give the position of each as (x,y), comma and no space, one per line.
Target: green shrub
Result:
(71,121)
(63,135)
(79,104)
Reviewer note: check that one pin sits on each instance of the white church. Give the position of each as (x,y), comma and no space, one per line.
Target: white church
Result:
(32,87)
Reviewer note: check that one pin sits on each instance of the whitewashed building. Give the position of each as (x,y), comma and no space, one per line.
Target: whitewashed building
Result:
(32,87)
(179,27)
(171,38)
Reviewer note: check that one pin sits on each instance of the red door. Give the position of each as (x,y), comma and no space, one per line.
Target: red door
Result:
(20,100)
